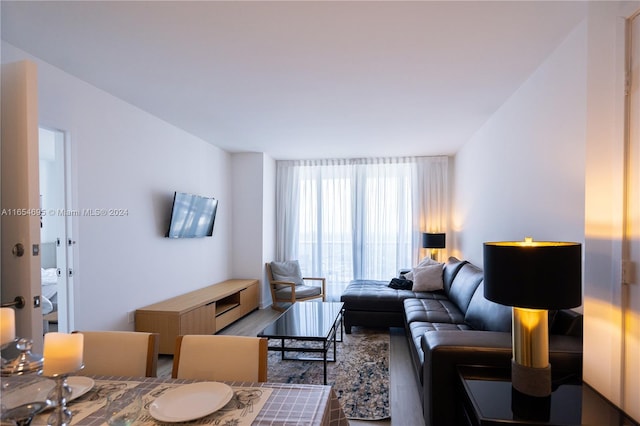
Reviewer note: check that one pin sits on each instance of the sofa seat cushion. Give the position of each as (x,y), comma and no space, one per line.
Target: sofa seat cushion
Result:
(369,295)
(432,310)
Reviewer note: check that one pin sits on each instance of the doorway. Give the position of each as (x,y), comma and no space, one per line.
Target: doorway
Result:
(55,232)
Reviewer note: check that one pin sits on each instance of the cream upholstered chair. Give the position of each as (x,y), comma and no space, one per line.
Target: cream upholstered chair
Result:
(120,353)
(220,357)
(288,285)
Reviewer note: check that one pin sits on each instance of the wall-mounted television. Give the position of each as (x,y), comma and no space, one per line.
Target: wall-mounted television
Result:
(192,216)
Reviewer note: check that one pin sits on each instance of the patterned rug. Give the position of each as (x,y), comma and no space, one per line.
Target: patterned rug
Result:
(360,376)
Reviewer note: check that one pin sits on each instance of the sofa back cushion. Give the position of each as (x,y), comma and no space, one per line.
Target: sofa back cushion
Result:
(464,285)
(449,272)
(483,314)
(566,322)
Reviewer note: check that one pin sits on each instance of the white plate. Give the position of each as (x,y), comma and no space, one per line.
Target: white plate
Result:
(79,386)
(39,390)
(190,402)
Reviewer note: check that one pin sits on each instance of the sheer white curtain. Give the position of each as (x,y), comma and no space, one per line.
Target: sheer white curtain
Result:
(358,219)
(430,195)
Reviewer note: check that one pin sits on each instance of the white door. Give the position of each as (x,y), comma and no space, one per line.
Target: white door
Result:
(56,242)
(19,199)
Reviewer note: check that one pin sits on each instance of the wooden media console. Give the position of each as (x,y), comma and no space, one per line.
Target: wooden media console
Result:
(203,311)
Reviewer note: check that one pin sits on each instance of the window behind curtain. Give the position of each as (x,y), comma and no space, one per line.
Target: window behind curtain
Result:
(384,221)
(355,219)
(325,231)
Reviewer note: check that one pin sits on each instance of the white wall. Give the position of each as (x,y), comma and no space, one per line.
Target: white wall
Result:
(522,174)
(248,190)
(124,158)
(268,217)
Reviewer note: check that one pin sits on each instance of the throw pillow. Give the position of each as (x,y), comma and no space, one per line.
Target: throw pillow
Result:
(289,270)
(427,278)
(424,262)
(428,261)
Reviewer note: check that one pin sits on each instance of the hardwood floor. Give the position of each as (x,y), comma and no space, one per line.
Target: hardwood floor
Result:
(406,408)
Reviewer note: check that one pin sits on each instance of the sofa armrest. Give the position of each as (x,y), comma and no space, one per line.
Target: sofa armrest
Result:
(445,350)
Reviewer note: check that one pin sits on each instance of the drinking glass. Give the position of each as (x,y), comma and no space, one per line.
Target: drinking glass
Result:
(122,409)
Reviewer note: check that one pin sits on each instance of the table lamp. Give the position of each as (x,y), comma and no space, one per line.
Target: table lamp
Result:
(433,241)
(532,277)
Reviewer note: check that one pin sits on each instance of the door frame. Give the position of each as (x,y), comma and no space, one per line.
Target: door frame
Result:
(20,198)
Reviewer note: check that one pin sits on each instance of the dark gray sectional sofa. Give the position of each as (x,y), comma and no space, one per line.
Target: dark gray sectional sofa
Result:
(454,326)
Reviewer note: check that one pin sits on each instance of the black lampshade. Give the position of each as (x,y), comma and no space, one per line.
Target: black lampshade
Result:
(433,240)
(538,275)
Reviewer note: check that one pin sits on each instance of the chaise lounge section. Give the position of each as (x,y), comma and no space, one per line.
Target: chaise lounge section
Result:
(455,325)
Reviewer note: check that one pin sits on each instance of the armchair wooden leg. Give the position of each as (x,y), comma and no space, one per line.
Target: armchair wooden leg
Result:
(277,308)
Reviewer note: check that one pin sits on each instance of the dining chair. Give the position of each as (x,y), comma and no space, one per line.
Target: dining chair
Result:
(289,286)
(220,357)
(120,353)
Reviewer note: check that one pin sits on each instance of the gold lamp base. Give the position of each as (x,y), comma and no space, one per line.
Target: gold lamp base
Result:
(530,368)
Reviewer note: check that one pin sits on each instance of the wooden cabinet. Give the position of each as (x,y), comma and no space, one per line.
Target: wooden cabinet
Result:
(203,311)
(249,299)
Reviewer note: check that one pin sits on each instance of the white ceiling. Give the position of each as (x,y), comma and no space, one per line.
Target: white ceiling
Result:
(302,79)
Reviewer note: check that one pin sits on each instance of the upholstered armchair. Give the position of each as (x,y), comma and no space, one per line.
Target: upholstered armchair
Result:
(288,285)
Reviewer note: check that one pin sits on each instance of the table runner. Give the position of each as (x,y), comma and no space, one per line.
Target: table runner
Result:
(240,411)
(277,404)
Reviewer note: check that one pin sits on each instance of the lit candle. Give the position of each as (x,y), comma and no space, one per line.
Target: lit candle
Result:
(62,353)
(7,325)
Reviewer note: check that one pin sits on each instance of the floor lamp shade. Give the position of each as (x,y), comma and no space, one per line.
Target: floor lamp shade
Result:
(532,277)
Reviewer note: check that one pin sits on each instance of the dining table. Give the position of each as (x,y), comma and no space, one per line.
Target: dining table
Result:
(250,404)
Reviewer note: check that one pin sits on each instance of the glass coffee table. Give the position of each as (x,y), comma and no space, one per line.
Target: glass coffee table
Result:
(307,322)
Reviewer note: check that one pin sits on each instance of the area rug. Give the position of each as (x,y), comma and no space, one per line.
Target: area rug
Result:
(359,377)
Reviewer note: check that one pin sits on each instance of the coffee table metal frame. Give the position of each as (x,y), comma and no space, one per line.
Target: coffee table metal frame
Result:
(282,329)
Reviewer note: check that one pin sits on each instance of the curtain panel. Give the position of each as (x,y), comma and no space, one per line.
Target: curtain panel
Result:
(359,218)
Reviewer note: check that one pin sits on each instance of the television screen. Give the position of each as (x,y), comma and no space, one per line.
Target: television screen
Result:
(192,216)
